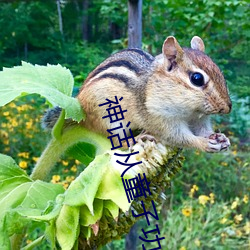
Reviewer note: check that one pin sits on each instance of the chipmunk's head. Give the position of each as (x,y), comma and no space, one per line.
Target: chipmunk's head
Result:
(199,78)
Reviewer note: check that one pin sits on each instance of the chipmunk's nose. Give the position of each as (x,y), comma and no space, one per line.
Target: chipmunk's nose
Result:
(227,108)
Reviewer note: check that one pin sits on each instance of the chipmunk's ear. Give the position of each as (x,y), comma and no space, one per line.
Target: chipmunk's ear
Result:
(171,49)
(197,43)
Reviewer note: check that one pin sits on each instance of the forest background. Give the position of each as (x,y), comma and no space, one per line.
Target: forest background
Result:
(207,205)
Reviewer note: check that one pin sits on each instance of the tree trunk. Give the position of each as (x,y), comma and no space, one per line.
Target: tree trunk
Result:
(85,20)
(135,23)
(59,16)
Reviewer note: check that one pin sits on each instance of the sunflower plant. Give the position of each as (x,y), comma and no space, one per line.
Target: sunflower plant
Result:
(93,210)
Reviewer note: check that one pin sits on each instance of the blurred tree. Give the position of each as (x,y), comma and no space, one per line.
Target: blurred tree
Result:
(134,23)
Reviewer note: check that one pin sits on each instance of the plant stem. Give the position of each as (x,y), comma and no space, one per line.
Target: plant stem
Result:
(57,147)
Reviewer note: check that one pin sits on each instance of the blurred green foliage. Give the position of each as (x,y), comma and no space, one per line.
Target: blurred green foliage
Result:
(30,32)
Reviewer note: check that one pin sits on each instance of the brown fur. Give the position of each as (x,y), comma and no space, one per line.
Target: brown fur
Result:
(158,94)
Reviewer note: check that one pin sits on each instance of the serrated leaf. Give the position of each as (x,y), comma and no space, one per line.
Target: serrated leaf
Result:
(83,189)
(14,198)
(39,194)
(53,82)
(83,152)
(112,208)
(9,184)
(86,218)
(47,216)
(67,226)
(111,188)
(9,168)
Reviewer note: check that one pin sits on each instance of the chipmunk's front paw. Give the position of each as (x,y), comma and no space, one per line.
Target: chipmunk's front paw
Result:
(218,142)
(141,138)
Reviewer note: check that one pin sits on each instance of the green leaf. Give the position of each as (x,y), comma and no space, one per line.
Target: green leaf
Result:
(9,168)
(54,210)
(53,82)
(20,198)
(50,234)
(11,183)
(4,240)
(39,194)
(83,189)
(111,188)
(101,179)
(14,198)
(67,226)
(83,152)
(86,232)
(112,208)
(86,218)
(58,127)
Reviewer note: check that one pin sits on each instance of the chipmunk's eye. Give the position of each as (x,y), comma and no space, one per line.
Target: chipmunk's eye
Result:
(197,79)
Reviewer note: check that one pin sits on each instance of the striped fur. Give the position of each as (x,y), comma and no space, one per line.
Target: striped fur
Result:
(159,95)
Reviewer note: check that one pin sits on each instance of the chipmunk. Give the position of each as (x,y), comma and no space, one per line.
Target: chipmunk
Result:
(170,96)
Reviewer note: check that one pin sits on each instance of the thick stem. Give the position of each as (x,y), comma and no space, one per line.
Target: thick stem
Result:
(57,147)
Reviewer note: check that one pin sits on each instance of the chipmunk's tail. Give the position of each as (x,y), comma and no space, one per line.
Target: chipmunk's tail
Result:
(50,117)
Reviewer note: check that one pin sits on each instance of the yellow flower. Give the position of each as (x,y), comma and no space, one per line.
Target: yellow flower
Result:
(234,152)
(29,124)
(73,168)
(238,218)
(6,149)
(6,141)
(12,105)
(70,178)
(223,220)
(245,199)
(6,113)
(4,134)
(235,203)
(24,154)
(182,248)
(203,199)
(55,178)
(247,227)
(77,162)
(187,211)
(14,123)
(211,195)
(65,163)
(197,242)
(225,164)
(223,235)
(23,164)
(238,159)
(35,159)
(238,233)
(192,190)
